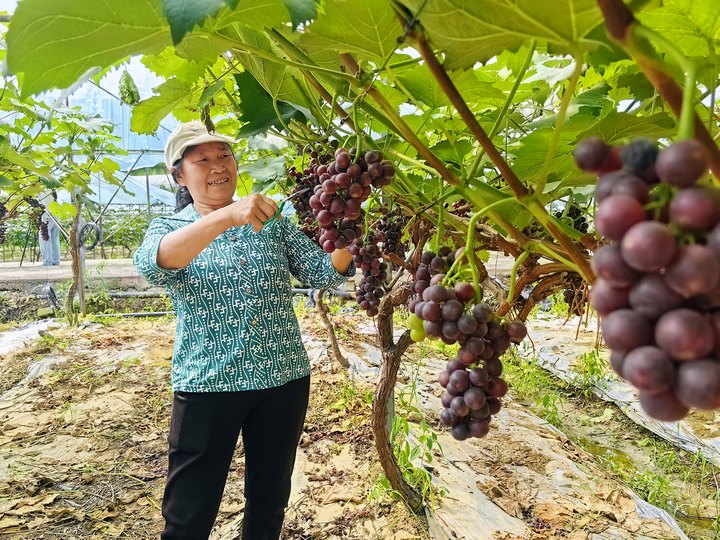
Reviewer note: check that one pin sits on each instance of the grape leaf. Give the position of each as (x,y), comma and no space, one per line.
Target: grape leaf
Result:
(265,169)
(210,92)
(301,11)
(257,108)
(691,25)
(275,78)
(184,15)
(453,152)
(366,28)
(147,114)
(619,127)
(469,31)
(222,32)
(54,43)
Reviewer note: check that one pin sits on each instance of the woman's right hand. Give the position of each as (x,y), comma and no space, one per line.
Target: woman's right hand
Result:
(252,210)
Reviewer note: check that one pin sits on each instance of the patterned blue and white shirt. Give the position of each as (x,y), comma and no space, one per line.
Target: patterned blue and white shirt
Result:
(236,328)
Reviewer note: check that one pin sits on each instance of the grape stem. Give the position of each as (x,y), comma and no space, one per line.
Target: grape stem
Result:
(508,101)
(513,275)
(399,124)
(470,243)
(468,117)
(559,121)
(441,216)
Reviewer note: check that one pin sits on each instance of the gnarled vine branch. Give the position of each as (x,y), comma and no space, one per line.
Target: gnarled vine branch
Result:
(391,355)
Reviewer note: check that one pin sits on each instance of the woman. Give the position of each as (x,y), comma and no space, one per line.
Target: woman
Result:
(239,365)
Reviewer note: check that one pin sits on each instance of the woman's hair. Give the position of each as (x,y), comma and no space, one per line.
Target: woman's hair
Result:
(182,195)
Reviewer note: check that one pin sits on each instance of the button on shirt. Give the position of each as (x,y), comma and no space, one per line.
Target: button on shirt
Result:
(236,328)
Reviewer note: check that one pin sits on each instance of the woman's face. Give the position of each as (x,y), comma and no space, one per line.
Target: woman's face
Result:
(209,172)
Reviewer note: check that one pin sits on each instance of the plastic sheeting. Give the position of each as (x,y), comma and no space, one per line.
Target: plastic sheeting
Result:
(625,397)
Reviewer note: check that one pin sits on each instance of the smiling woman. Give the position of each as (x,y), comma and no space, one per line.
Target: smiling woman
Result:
(239,360)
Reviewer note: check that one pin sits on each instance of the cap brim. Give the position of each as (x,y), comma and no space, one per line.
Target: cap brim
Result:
(200,139)
(210,137)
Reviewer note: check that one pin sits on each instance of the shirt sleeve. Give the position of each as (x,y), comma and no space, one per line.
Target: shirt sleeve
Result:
(308,262)
(145,257)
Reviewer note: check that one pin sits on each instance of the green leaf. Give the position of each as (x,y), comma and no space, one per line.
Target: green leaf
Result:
(167,63)
(453,153)
(301,11)
(366,28)
(619,127)
(423,87)
(128,90)
(210,92)
(532,152)
(275,78)
(471,31)
(691,25)
(5,182)
(257,107)
(62,210)
(220,33)
(184,15)
(147,114)
(54,43)
(264,170)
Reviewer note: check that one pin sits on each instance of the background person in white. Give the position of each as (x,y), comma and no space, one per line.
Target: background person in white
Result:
(50,248)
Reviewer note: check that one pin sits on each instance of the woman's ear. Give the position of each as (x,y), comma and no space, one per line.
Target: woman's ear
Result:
(177,175)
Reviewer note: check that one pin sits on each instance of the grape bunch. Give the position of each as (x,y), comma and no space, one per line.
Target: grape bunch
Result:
(367,258)
(305,182)
(44,232)
(472,381)
(575,217)
(658,286)
(343,186)
(35,215)
(391,227)
(535,230)
(3,219)
(430,271)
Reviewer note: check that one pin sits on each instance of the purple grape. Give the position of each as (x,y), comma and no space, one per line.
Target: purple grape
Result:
(649,369)
(682,163)
(648,246)
(617,214)
(605,298)
(665,406)
(698,384)
(684,334)
(651,297)
(696,270)
(607,262)
(625,330)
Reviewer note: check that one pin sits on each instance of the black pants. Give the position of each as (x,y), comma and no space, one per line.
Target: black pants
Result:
(204,429)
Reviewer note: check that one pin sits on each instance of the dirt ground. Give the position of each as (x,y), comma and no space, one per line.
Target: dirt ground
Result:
(83,444)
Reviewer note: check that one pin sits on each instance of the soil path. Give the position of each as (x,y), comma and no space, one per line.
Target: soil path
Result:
(82,451)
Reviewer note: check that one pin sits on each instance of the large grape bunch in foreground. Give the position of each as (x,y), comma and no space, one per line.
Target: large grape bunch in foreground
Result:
(472,382)
(658,286)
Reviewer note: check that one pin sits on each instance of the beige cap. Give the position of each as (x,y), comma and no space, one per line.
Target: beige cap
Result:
(189,134)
